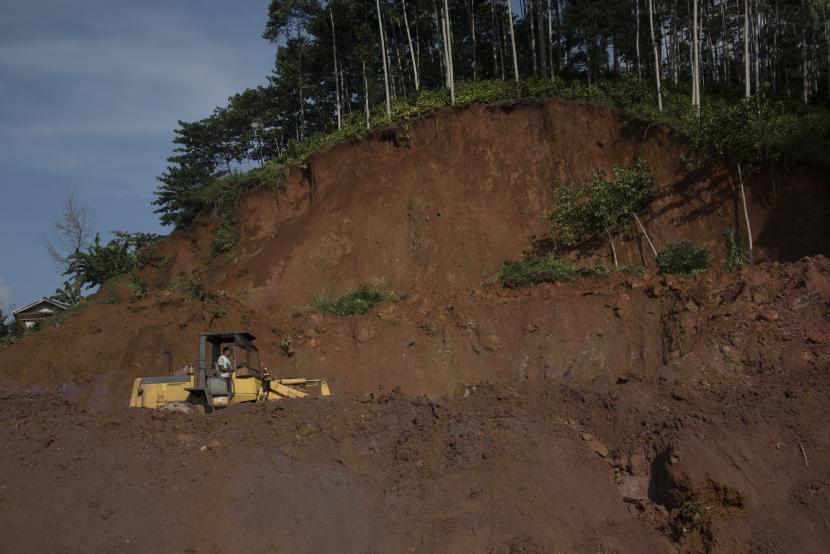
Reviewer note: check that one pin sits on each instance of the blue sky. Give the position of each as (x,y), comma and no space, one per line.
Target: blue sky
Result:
(90,92)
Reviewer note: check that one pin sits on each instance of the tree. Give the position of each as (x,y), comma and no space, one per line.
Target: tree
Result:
(411,49)
(101,262)
(383,54)
(656,54)
(695,60)
(72,233)
(67,294)
(4,328)
(586,210)
(512,41)
(747,70)
(283,17)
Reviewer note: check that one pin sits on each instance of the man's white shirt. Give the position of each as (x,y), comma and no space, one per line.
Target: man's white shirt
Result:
(224,364)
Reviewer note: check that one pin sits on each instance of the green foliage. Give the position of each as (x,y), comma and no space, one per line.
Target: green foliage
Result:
(293,115)
(69,294)
(194,290)
(102,262)
(357,302)
(191,287)
(693,516)
(287,345)
(241,293)
(112,297)
(217,311)
(137,286)
(735,256)
(535,269)
(584,210)
(225,235)
(17,330)
(632,269)
(4,327)
(749,132)
(683,257)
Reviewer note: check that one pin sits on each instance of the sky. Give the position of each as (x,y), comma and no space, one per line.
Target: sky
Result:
(90,93)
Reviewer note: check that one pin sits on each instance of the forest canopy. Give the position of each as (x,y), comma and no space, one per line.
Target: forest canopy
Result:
(746,78)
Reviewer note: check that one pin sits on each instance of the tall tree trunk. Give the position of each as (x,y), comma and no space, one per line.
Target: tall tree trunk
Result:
(613,248)
(674,55)
(385,63)
(805,65)
(473,39)
(656,54)
(540,33)
(512,41)
(301,98)
(746,213)
(439,29)
(827,42)
(756,44)
(498,59)
(747,70)
(336,75)
(724,43)
(399,59)
(695,59)
(365,93)
(448,51)
(530,14)
(645,234)
(637,42)
(411,50)
(550,40)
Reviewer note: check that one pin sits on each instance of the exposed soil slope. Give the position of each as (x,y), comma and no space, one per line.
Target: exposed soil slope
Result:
(431,211)
(721,449)
(614,414)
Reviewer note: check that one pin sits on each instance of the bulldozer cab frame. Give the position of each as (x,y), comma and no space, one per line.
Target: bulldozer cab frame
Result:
(242,341)
(206,369)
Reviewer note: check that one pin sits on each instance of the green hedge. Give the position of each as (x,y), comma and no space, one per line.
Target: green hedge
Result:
(684,257)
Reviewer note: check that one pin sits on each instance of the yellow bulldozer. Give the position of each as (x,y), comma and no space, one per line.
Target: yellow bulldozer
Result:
(211,385)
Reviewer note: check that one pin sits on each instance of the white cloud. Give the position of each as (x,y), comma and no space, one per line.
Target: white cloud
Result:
(5,295)
(97,92)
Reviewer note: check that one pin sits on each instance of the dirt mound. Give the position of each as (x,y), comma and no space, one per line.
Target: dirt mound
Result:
(720,448)
(613,414)
(431,211)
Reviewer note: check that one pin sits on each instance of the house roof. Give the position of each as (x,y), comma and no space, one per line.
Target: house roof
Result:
(59,305)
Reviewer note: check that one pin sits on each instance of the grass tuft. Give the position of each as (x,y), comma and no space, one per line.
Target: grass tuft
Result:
(357,302)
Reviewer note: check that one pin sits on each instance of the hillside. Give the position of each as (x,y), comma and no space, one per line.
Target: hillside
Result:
(614,414)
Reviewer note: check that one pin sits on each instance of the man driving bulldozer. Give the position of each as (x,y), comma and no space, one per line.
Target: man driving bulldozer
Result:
(223,363)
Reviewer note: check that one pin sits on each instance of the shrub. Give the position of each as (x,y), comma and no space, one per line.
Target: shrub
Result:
(191,287)
(138,287)
(4,328)
(356,302)
(601,206)
(217,311)
(734,253)
(535,269)
(225,234)
(632,269)
(287,345)
(683,257)
(112,297)
(101,262)
(241,293)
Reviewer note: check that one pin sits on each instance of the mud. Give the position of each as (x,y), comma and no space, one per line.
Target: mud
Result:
(614,414)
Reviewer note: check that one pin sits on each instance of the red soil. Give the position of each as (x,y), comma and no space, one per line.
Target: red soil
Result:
(614,414)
